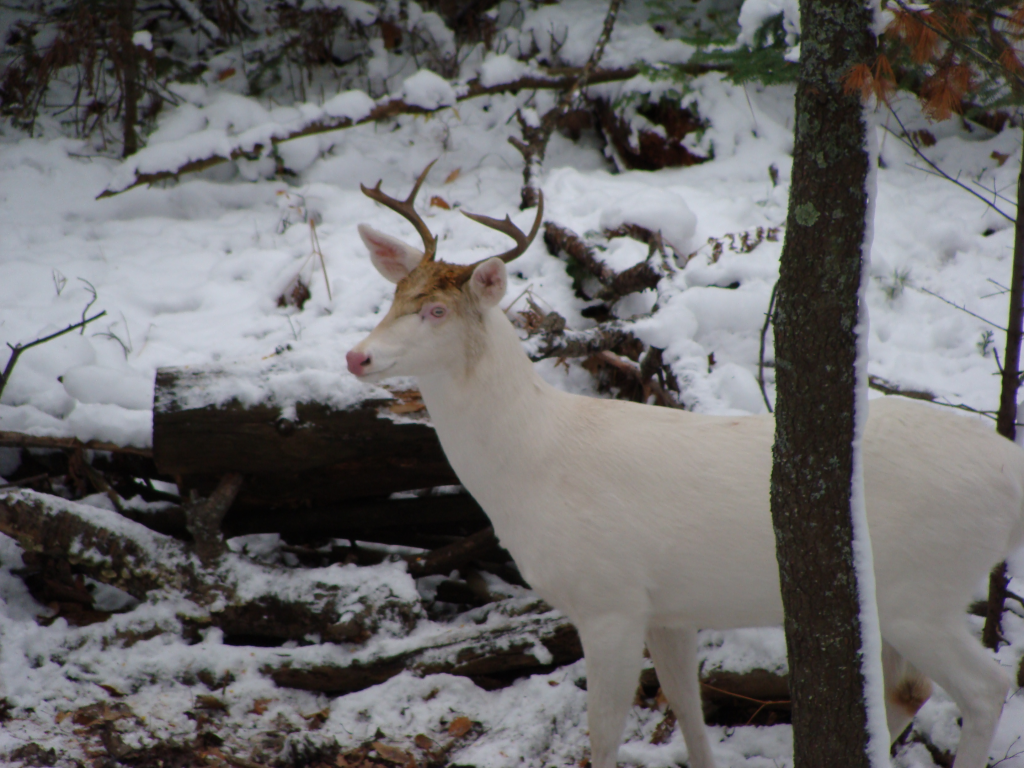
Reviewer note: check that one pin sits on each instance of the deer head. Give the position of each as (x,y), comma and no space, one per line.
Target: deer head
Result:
(436,319)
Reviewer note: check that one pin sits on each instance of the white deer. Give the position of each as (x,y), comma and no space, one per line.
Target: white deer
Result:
(645,524)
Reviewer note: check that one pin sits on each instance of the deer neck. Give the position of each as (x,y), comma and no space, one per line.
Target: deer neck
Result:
(494,408)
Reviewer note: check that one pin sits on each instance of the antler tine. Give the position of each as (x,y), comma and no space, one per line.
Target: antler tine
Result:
(507,227)
(405,209)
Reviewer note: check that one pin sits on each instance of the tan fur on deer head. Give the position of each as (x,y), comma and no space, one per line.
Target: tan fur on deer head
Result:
(435,320)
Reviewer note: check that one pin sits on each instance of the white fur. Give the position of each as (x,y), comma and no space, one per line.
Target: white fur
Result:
(645,524)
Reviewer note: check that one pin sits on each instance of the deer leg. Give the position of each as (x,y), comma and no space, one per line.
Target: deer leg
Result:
(613,649)
(944,650)
(906,690)
(674,652)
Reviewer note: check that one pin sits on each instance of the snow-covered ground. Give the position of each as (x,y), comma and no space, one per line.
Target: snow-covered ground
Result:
(190,274)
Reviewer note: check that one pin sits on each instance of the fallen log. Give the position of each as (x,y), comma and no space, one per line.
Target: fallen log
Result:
(313,456)
(338,604)
(533,639)
(414,522)
(527,638)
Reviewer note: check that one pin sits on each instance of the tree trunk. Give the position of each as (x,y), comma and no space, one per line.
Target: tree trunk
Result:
(1006,421)
(816,345)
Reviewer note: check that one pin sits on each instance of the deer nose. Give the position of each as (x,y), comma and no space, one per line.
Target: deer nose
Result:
(357,361)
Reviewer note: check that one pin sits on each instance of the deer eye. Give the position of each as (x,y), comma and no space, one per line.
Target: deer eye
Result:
(434,312)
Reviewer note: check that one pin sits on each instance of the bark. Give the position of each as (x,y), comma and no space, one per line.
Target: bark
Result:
(203,517)
(322,457)
(1006,419)
(458,553)
(816,352)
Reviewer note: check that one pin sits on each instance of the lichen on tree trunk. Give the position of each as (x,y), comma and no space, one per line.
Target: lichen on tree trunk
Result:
(816,353)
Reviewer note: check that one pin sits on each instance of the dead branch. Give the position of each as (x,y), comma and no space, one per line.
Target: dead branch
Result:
(532,639)
(386,110)
(877,382)
(534,143)
(450,557)
(18,349)
(113,550)
(769,316)
(615,285)
(644,235)
(191,11)
(21,440)
(203,518)
(567,344)
(962,309)
(649,383)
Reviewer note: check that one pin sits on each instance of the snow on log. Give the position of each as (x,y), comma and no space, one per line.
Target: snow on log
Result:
(493,645)
(339,603)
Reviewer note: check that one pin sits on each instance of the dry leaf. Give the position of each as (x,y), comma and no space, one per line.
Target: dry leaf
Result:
(439,202)
(410,407)
(296,294)
(424,742)
(453,176)
(259,706)
(224,74)
(62,716)
(206,701)
(459,727)
(111,689)
(999,157)
(393,754)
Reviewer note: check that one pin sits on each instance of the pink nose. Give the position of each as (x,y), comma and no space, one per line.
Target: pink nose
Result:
(357,361)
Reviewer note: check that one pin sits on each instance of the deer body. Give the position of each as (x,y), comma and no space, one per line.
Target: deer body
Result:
(646,524)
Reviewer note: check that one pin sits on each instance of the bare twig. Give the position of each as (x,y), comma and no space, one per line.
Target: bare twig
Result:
(316,249)
(760,357)
(763,704)
(962,309)
(18,349)
(907,139)
(21,440)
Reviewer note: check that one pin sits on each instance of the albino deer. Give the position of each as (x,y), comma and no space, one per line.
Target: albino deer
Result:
(645,524)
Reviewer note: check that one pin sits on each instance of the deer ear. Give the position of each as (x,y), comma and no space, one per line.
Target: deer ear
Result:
(392,258)
(489,282)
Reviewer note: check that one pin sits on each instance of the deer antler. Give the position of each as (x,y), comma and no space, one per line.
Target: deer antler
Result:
(510,229)
(405,209)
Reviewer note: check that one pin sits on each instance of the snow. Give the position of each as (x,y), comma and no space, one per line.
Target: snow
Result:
(427,90)
(755,13)
(190,274)
(143,39)
(879,738)
(501,68)
(657,210)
